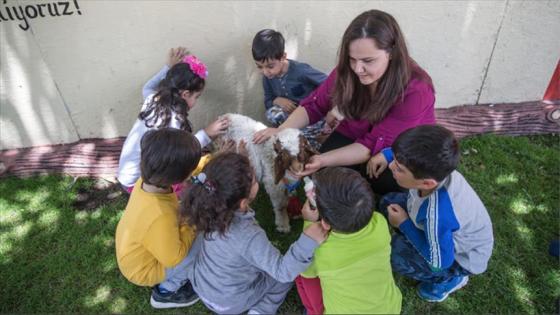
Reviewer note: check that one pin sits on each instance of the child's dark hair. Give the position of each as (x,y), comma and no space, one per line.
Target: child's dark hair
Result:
(209,205)
(268,45)
(344,199)
(428,151)
(168,98)
(168,156)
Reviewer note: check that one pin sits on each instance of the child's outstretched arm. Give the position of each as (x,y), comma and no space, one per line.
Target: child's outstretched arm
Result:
(262,254)
(174,56)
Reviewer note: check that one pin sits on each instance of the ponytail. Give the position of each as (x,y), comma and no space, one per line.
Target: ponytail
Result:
(210,201)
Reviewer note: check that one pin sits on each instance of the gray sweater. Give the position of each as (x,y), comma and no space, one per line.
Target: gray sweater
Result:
(231,273)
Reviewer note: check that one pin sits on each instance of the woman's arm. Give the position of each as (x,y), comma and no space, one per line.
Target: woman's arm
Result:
(311,109)
(297,119)
(351,154)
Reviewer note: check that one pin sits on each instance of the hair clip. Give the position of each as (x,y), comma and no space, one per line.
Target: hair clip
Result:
(197,66)
(200,179)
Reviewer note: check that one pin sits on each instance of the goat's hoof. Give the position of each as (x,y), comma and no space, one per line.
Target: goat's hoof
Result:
(283,228)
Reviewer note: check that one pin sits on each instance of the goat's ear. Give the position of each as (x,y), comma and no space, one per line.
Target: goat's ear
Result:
(306,151)
(277,146)
(282,162)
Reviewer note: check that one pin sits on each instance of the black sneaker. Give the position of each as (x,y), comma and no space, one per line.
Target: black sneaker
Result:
(183,297)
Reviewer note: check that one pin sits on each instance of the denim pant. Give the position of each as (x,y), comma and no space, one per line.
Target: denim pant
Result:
(406,260)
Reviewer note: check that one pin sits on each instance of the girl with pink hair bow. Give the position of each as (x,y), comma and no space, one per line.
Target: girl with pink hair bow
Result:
(168,97)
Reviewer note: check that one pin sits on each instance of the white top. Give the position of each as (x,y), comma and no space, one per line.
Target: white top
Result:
(129,161)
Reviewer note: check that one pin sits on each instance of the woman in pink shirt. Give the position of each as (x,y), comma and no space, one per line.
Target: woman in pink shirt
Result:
(376,90)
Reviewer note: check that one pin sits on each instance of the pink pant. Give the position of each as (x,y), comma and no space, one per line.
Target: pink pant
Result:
(311,295)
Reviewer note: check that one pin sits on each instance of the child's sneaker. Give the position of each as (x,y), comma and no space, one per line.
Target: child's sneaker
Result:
(183,297)
(438,292)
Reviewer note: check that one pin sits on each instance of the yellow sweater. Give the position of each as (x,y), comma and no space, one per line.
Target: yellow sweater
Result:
(149,237)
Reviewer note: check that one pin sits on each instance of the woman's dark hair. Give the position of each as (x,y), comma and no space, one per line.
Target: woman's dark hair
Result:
(168,156)
(268,45)
(210,206)
(428,151)
(344,199)
(356,100)
(168,98)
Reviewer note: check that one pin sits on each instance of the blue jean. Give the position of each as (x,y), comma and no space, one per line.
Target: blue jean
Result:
(406,260)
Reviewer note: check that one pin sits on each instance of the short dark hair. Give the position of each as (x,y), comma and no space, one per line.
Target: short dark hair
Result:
(344,198)
(428,151)
(210,206)
(168,156)
(268,45)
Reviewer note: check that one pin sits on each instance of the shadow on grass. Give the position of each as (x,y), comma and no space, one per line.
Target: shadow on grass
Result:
(55,258)
(59,259)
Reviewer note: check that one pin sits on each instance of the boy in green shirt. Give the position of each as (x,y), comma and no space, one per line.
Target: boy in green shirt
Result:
(353,264)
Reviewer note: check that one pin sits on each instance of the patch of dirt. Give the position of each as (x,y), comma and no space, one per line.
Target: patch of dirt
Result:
(101,193)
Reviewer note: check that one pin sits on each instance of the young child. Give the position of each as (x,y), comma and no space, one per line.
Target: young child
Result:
(169,96)
(446,230)
(151,243)
(237,269)
(353,264)
(285,82)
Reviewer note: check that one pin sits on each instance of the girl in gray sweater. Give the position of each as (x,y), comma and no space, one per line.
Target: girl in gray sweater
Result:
(235,268)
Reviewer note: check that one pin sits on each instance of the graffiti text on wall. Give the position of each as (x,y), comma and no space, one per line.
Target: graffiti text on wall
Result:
(13,12)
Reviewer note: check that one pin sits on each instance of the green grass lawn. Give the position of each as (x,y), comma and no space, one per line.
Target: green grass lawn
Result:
(57,252)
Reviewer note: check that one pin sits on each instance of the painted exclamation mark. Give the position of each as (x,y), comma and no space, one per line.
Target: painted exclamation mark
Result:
(77,7)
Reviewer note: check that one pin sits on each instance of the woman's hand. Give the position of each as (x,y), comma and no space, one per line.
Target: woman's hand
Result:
(315,163)
(176,55)
(218,127)
(263,135)
(376,165)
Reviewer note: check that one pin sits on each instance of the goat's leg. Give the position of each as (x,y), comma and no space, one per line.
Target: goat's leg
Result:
(279,200)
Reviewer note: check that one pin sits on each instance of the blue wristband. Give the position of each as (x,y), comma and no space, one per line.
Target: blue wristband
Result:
(388,154)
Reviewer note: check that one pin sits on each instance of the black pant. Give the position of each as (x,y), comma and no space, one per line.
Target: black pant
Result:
(385,183)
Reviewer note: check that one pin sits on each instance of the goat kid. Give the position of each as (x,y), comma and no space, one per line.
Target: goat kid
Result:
(287,150)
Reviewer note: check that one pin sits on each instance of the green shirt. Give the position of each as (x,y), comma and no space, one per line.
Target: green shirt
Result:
(355,271)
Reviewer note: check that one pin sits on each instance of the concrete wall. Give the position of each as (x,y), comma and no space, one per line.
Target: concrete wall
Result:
(77,76)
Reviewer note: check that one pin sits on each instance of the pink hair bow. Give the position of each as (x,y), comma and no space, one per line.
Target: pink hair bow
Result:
(197,66)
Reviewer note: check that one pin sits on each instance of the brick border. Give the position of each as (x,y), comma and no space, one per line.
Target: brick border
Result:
(100,157)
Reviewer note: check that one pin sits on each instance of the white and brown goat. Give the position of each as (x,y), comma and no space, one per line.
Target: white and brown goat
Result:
(288,149)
